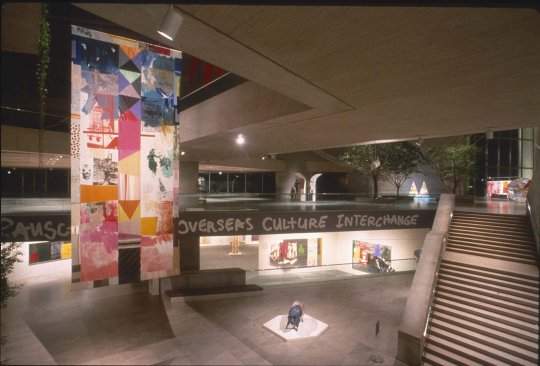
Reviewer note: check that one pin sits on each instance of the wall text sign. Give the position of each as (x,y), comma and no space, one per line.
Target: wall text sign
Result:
(260,223)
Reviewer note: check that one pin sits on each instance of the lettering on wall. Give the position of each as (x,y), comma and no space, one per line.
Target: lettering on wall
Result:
(36,227)
(209,223)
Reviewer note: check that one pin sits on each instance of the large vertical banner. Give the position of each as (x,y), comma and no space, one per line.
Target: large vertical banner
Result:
(124,136)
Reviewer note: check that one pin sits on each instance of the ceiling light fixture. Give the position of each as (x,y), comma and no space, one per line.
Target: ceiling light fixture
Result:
(240,140)
(170,24)
(182,153)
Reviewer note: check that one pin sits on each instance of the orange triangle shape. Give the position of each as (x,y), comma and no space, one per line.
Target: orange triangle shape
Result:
(129,207)
(130,52)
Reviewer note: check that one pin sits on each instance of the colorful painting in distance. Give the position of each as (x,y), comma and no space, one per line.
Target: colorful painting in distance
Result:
(289,253)
(48,251)
(125,127)
(366,256)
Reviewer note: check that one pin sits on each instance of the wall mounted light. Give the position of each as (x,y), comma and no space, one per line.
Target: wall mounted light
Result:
(240,139)
(170,24)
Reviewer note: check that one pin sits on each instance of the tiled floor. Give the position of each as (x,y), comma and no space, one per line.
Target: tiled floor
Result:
(125,325)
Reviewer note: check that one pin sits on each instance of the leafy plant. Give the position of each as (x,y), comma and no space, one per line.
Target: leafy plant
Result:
(453,161)
(365,158)
(401,159)
(9,255)
(395,162)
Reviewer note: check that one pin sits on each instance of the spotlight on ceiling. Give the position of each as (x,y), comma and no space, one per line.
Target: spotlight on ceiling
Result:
(263,157)
(182,153)
(240,140)
(420,141)
(170,24)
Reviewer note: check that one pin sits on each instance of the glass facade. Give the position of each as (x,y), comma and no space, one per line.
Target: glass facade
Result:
(24,182)
(234,182)
(506,156)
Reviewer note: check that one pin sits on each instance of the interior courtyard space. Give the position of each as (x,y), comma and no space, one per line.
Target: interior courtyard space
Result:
(47,323)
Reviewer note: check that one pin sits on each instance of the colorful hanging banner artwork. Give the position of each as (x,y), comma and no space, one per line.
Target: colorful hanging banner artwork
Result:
(124,153)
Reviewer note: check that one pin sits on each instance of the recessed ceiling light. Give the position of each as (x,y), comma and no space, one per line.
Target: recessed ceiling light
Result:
(182,153)
(240,139)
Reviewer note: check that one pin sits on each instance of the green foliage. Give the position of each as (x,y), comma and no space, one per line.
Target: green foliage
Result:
(401,159)
(8,257)
(395,161)
(453,162)
(365,158)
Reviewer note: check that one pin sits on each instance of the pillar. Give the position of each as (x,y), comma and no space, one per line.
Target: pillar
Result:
(189,185)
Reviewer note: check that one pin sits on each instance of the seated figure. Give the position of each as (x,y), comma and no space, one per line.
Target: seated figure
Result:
(296,312)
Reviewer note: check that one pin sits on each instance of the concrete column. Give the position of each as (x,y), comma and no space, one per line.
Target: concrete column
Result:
(189,186)
(284,182)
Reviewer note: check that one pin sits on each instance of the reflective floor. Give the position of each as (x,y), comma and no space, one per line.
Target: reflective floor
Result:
(49,324)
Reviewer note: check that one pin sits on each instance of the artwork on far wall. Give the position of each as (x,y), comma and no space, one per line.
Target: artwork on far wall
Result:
(48,251)
(294,253)
(370,257)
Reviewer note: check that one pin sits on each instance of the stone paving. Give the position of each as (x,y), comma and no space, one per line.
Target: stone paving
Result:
(48,323)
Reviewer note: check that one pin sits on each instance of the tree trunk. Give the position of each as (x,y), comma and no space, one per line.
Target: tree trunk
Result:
(375,179)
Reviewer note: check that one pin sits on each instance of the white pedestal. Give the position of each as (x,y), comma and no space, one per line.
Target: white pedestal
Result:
(310,327)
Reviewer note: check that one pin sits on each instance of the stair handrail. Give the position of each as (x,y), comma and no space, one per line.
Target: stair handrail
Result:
(415,318)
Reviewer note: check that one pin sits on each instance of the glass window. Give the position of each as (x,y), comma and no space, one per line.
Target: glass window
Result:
(237,183)
(28,182)
(269,182)
(11,182)
(204,182)
(254,182)
(58,183)
(218,182)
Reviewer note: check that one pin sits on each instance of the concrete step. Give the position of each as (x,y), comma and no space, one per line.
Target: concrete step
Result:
(499,343)
(494,256)
(521,248)
(456,352)
(511,310)
(491,222)
(499,251)
(482,321)
(434,353)
(486,272)
(500,217)
(511,275)
(489,240)
(506,236)
(489,355)
(489,279)
(473,224)
(524,293)
(473,291)
(429,359)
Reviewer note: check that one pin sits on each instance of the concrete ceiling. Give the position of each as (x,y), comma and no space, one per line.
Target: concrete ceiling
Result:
(332,76)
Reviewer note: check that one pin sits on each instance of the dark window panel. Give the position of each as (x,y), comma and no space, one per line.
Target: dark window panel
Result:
(254,183)
(218,183)
(237,183)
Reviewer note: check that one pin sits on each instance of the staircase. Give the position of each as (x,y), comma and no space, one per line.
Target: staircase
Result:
(505,237)
(485,314)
